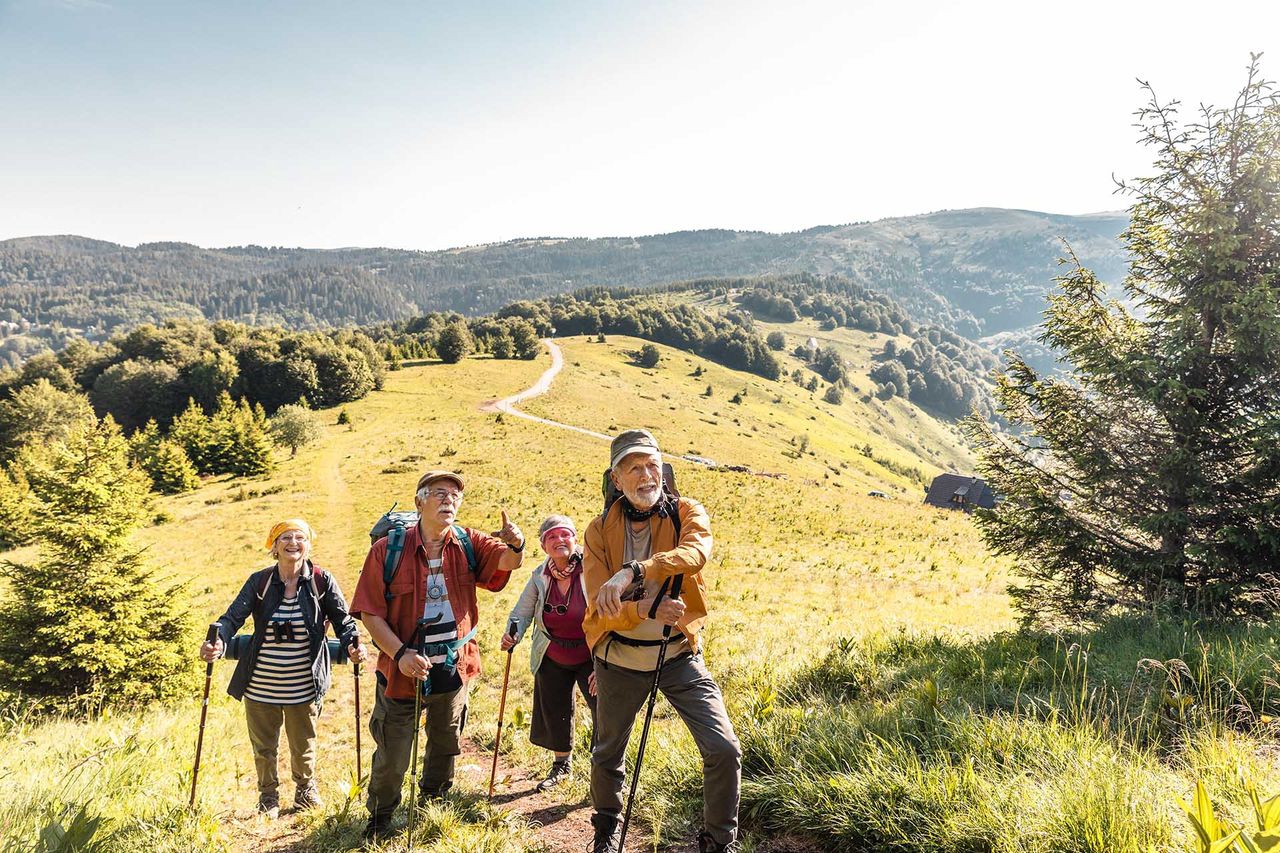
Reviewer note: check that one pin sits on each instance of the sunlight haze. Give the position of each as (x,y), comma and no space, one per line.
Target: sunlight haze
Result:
(429,125)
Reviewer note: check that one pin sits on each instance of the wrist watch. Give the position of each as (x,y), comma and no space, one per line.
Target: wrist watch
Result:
(637,571)
(517,550)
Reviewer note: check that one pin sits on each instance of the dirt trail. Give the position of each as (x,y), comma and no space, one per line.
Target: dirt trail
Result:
(507,405)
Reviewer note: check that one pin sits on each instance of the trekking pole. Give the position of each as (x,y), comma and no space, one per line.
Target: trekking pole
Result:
(356,670)
(417,726)
(648,715)
(502,706)
(211,638)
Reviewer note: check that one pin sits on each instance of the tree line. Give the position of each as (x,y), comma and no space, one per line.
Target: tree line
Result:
(732,339)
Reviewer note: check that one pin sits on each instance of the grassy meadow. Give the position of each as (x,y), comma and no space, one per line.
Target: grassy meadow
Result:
(866,646)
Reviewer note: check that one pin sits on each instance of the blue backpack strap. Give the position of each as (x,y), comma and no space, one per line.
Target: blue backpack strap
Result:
(465,541)
(395,548)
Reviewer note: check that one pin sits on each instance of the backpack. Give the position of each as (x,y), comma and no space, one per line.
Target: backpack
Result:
(392,525)
(319,589)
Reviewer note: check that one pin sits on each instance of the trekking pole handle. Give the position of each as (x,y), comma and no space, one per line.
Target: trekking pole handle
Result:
(674,583)
(511,632)
(212,638)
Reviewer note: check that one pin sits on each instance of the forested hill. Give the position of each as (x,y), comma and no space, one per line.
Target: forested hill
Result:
(977,271)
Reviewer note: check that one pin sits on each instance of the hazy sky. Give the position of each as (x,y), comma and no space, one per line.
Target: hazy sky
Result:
(429,124)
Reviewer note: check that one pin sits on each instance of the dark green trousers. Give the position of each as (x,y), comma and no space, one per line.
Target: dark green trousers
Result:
(392,726)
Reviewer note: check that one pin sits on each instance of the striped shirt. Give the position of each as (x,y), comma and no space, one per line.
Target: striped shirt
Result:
(282,674)
(438,611)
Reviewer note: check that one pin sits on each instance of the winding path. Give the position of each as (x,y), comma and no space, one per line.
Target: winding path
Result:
(507,405)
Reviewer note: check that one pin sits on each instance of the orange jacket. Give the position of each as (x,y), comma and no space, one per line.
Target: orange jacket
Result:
(602,558)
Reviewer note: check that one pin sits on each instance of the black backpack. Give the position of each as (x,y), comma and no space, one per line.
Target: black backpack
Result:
(392,525)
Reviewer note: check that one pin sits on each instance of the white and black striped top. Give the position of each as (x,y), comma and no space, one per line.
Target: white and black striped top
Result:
(282,674)
(438,610)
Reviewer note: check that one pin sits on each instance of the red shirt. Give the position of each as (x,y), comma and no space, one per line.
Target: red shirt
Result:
(408,595)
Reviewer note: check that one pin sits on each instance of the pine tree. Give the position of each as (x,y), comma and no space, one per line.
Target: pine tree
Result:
(164,461)
(17,507)
(37,413)
(1151,474)
(88,619)
(193,432)
(245,439)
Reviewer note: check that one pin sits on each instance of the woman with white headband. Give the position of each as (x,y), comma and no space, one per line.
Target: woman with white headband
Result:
(554,601)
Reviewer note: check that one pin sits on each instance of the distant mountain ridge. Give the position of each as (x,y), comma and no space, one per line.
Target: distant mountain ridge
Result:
(980,271)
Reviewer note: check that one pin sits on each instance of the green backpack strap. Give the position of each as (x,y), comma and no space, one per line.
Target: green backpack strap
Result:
(465,541)
(395,547)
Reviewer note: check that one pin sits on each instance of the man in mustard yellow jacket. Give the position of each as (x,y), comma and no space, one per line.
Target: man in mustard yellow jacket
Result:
(646,537)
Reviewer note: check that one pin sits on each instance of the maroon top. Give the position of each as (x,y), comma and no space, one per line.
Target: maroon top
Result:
(567,625)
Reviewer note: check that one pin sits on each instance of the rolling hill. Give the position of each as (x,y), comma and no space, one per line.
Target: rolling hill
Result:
(977,272)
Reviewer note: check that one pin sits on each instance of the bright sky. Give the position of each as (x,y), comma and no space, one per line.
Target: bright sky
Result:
(430,124)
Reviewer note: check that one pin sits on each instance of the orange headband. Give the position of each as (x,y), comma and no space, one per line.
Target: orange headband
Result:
(289,524)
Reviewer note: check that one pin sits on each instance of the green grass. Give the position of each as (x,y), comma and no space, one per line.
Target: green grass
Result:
(865,646)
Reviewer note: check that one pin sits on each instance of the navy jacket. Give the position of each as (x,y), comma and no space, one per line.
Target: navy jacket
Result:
(318,612)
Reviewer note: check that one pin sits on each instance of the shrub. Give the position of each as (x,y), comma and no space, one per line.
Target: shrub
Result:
(293,426)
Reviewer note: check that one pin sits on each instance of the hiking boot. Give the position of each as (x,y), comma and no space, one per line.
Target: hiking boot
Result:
(707,844)
(378,828)
(607,831)
(269,805)
(559,772)
(307,797)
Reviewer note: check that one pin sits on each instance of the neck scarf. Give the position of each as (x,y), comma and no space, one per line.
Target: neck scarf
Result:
(564,574)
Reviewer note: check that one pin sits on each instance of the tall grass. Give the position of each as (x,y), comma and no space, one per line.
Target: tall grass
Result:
(1017,742)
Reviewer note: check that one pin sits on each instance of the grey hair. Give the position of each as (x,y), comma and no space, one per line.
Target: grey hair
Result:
(425,492)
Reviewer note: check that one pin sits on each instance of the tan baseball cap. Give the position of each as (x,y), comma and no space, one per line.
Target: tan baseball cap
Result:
(431,476)
(632,441)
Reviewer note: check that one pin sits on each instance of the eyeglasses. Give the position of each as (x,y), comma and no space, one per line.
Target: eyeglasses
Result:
(562,609)
(442,496)
(292,537)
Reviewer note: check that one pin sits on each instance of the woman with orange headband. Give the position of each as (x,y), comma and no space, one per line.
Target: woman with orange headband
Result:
(283,671)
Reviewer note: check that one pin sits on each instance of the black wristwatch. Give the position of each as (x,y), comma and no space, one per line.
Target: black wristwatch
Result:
(517,550)
(637,570)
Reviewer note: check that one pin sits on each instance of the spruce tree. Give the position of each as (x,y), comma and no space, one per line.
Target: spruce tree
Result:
(1150,474)
(164,461)
(242,437)
(88,619)
(193,432)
